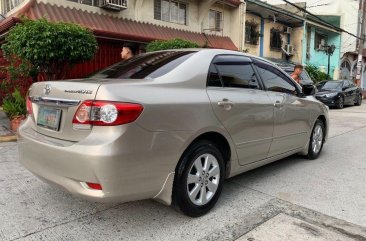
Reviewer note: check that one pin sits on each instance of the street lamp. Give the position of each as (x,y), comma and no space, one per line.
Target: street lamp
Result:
(329,50)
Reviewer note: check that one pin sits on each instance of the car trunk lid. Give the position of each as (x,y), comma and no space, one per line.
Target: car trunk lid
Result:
(54,105)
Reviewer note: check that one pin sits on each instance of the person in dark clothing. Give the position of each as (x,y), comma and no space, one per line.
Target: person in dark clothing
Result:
(128,51)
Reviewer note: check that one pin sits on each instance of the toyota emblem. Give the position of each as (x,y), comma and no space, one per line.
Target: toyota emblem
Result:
(47,89)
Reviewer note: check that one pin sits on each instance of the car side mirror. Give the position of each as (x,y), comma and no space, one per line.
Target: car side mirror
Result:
(309,90)
(344,88)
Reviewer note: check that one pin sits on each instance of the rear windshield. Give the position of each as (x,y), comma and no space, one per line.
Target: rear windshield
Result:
(145,66)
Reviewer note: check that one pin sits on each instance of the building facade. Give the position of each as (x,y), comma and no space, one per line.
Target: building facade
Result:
(286,35)
(208,23)
(346,14)
(274,32)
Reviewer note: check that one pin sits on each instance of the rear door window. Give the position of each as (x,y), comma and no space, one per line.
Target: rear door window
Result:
(145,66)
(233,72)
(214,79)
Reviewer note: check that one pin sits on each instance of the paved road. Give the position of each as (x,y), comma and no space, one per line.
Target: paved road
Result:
(328,193)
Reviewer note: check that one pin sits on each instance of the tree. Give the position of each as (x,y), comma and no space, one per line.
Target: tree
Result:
(170,44)
(49,48)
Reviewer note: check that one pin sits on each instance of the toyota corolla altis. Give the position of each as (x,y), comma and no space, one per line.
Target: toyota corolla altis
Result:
(169,125)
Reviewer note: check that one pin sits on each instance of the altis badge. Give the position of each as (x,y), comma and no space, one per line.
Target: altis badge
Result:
(83,92)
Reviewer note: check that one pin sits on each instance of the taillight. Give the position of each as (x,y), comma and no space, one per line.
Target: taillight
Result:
(29,106)
(105,113)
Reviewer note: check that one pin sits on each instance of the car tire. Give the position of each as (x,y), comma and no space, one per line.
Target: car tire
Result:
(199,179)
(340,103)
(316,140)
(359,100)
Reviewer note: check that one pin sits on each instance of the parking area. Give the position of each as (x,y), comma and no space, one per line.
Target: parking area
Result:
(327,195)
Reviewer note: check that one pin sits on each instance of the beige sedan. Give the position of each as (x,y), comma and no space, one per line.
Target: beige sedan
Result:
(168,125)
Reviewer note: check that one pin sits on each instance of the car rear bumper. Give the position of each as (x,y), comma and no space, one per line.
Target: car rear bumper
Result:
(128,161)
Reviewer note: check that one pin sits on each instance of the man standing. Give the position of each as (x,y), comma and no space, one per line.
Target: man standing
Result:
(128,51)
(297,72)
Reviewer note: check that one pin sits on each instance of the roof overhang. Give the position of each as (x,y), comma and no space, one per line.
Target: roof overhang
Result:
(268,11)
(329,29)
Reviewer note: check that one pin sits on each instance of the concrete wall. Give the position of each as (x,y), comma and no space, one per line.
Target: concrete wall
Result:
(250,48)
(297,39)
(230,23)
(320,58)
(351,59)
(268,51)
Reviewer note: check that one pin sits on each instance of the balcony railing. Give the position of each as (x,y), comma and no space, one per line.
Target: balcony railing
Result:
(116,5)
(7,5)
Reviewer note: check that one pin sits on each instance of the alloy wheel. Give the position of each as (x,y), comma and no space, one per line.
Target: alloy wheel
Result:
(203,179)
(317,140)
(341,103)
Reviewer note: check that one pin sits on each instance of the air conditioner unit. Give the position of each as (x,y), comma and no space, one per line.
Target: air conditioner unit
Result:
(113,5)
(289,48)
(288,30)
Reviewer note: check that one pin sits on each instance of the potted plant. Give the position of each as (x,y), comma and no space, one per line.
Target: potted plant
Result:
(15,108)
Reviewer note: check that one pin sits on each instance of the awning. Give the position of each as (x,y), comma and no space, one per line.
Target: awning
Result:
(107,26)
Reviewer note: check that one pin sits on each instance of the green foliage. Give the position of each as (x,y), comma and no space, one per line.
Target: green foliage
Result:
(315,74)
(14,105)
(170,44)
(49,48)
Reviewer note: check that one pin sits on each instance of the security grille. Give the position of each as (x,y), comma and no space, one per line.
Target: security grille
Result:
(7,5)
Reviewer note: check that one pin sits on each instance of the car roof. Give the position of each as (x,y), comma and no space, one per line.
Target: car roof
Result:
(219,51)
(339,81)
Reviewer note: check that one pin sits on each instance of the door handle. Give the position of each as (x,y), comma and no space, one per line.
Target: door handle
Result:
(278,104)
(227,104)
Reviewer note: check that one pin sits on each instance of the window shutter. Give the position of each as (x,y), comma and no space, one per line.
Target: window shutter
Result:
(157,9)
(218,21)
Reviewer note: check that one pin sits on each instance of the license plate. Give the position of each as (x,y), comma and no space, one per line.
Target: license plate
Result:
(49,118)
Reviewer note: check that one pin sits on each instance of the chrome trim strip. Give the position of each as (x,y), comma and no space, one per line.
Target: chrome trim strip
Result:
(54,101)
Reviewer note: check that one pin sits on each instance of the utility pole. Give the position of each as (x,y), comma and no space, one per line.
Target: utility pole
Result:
(361,44)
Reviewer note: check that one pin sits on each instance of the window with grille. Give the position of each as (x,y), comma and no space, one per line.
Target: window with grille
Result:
(215,20)
(276,41)
(86,2)
(251,33)
(321,41)
(170,11)
(8,5)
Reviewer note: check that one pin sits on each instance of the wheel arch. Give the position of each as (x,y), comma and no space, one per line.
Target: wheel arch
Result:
(220,141)
(223,143)
(324,120)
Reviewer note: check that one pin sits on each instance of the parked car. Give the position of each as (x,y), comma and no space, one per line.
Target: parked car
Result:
(169,125)
(339,93)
